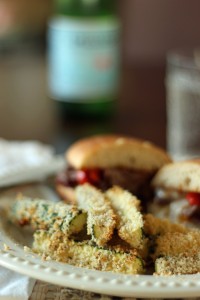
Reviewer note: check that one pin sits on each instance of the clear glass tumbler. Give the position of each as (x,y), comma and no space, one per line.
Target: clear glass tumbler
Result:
(183,104)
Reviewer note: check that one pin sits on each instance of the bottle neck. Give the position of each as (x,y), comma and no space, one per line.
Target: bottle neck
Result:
(85,8)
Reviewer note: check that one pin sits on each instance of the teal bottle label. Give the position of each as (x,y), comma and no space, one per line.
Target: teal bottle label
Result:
(83,58)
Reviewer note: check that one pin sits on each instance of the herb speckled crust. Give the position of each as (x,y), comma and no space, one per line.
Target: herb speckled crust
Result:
(43,214)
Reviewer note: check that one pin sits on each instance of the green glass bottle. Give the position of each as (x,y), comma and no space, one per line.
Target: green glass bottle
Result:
(84,57)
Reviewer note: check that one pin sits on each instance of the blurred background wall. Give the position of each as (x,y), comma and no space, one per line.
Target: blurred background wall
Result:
(23,24)
(150,27)
(23,16)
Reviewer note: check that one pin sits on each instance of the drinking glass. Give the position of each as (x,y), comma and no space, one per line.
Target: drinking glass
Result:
(183,103)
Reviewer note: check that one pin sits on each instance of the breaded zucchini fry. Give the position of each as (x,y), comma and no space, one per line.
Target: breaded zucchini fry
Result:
(176,243)
(130,220)
(175,248)
(43,214)
(101,219)
(58,247)
(154,226)
(177,265)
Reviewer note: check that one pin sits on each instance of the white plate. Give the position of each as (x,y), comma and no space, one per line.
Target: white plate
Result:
(13,256)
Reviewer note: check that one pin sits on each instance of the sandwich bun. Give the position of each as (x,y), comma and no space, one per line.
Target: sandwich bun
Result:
(177,192)
(110,160)
(182,176)
(105,151)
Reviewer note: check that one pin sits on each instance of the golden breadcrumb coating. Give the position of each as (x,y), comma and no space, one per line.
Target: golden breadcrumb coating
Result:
(83,254)
(130,219)
(101,219)
(177,265)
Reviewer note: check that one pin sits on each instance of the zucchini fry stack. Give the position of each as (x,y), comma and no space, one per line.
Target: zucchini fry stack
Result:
(107,232)
(59,226)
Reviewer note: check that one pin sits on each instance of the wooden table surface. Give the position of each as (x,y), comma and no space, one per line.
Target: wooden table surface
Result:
(26,111)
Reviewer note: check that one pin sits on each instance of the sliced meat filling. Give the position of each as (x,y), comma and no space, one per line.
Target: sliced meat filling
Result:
(182,206)
(135,181)
(190,213)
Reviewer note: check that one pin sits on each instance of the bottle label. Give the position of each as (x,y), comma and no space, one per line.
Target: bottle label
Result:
(83,59)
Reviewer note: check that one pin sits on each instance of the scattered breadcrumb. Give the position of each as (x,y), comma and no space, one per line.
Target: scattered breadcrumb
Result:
(27,249)
(6,247)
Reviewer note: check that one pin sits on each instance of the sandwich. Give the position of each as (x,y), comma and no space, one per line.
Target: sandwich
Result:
(111,160)
(177,192)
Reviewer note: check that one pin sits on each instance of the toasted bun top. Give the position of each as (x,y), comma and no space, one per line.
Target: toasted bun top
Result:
(183,176)
(105,151)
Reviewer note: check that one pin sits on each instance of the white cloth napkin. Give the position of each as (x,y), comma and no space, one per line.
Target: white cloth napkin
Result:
(14,286)
(22,162)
